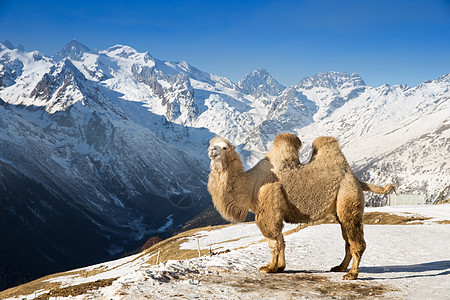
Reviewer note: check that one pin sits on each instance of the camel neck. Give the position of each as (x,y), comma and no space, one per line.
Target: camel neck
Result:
(228,193)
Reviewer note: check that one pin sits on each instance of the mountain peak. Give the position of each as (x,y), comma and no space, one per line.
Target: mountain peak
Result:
(260,83)
(259,73)
(332,80)
(73,50)
(129,53)
(122,51)
(7,44)
(443,78)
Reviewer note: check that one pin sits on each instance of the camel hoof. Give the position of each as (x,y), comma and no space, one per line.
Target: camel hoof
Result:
(350,276)
(268,269)
(280,269)
(338,269)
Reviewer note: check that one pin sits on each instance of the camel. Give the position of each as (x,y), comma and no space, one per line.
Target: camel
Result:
(278,188)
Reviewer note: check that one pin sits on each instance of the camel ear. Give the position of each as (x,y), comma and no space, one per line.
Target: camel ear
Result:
(299,143)
(233,147)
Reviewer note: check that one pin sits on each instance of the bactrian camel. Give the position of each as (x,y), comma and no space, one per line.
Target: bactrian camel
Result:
(278,188)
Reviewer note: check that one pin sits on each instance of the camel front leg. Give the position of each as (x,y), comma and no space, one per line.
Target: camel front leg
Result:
(273,232)
(270,221)
(272,267)
(277,260)
(281,258)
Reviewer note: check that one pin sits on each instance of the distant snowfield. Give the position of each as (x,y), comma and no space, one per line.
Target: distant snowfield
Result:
(400,262)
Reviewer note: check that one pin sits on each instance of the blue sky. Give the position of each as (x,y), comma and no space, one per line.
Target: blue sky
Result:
(395,42)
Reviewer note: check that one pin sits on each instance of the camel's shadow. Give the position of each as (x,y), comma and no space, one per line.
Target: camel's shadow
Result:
(417,269)
(424,267)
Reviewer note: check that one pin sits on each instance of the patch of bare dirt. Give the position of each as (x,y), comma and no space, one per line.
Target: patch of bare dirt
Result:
(296,285)
(381,218)
(287,285)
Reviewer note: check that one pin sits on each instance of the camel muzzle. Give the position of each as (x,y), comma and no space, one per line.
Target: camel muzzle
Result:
(212,153)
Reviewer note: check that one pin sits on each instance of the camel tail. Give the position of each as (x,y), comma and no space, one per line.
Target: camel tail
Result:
(377,189)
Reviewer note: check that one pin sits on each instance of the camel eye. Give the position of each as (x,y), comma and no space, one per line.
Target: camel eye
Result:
(225,148)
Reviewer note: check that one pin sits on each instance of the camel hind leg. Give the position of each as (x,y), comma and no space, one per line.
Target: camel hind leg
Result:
(352,232)
(349,210)
(270,221)
(348,256)
(357,246)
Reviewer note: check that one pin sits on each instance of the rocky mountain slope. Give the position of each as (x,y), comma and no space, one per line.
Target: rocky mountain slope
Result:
(78,173)
(117,139)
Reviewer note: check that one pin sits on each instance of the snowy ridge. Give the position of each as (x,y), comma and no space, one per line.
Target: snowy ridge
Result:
(330,91)
(411,269)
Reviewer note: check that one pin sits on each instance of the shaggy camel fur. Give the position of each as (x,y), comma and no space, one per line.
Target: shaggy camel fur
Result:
(278,188)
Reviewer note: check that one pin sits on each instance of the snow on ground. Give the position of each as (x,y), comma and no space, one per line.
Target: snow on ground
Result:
(228,238)
(400,262)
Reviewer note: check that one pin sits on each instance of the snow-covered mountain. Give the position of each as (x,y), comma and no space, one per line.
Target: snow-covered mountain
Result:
(261,85)
(393,134)
(69,152)
(118,139)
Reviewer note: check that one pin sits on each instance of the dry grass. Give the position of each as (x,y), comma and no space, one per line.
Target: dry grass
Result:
(444,201)
(32,286)
(443,222)
(170,249)
(370,218)
(380,218)
(54,288)
(76,290)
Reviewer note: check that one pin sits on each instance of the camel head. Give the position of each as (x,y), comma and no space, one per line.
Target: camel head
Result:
(222,153)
